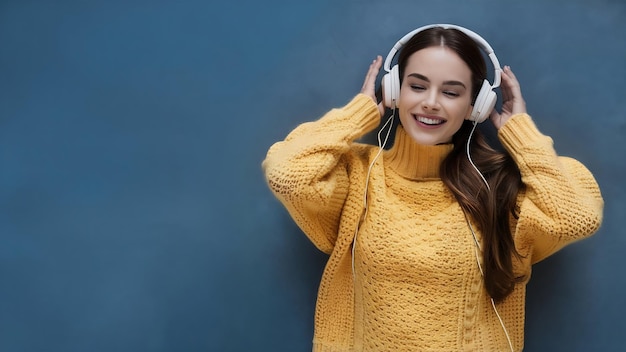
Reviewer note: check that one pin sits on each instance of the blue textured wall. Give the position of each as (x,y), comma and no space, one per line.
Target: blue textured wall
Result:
(133,211)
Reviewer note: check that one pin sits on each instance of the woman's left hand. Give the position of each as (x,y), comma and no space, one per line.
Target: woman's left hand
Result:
(512,100)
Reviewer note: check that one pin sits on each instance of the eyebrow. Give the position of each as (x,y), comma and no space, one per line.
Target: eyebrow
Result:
(424,78)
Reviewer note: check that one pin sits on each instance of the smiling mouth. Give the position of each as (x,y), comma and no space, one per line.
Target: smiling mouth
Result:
(429,120)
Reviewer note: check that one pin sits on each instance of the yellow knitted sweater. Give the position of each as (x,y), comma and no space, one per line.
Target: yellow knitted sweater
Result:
(417,285)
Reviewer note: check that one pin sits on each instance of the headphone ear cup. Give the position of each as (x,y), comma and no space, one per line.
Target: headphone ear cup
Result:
(484,104)
(390,85)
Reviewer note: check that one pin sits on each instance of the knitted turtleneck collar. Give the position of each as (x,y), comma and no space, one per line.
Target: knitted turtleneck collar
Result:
(415,161)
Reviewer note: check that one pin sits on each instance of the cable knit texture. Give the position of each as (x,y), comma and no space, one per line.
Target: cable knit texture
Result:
(417,285)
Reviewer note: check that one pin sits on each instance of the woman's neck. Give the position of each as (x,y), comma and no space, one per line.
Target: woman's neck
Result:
(415,161)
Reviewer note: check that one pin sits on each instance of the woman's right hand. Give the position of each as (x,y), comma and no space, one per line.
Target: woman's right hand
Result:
(369,85)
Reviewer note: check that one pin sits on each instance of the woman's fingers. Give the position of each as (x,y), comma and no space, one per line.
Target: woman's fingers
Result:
(512,92)
(512,100)
(369,85)
(504,87)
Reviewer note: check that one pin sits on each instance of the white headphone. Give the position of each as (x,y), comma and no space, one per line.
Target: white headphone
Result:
(486,98)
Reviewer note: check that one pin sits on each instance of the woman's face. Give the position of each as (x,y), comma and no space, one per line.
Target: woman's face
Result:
(435,95)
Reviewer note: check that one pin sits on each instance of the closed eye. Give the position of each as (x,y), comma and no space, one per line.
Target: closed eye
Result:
(417,87)
(451,93)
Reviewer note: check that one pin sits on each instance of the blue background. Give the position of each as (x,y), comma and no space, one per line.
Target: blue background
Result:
(133,211)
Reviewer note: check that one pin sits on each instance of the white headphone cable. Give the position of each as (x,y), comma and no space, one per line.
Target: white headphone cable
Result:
(381,147)
(480,268)
(469,157)
(477,244)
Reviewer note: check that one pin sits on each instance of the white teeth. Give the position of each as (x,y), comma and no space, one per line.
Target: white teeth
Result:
(428,121)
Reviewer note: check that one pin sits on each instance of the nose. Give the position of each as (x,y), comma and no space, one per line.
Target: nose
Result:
(431,101)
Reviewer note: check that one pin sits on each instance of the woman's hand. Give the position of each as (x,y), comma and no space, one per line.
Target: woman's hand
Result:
(369,85)
(512,100)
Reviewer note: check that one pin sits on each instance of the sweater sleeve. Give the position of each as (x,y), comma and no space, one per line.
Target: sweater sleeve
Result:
(561,203)
(308,170)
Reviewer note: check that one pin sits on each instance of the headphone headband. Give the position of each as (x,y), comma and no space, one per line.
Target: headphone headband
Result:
(477,39)
(485,97)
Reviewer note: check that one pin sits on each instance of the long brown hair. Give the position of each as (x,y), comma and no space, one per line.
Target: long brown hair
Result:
(490,208)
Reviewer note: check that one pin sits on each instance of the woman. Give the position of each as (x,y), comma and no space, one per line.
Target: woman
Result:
(440,259)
